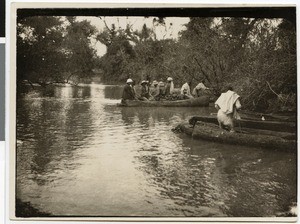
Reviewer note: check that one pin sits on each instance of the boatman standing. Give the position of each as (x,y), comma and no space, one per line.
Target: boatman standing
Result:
(227,105)
(169,89)
(128,92)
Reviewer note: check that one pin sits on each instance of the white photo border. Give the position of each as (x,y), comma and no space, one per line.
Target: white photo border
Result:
(12,7)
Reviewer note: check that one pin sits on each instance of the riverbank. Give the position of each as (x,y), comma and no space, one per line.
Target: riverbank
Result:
(26,210)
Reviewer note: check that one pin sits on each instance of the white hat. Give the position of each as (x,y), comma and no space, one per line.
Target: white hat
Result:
(144,81)
(129,80)
(161,84)
(154,82)
(169,79)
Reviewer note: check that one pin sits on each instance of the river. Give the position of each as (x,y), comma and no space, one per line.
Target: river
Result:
(80,155)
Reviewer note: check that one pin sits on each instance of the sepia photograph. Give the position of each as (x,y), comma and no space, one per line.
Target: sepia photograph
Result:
(152,111)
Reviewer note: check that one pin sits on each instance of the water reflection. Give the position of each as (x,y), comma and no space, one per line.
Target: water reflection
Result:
(184,178)
(113,92)
(51,135)
(79,154)
(155,115)
(72,92)
(249,184)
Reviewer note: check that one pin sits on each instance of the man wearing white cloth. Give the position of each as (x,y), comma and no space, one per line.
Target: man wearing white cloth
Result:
(227,105)
(186,91)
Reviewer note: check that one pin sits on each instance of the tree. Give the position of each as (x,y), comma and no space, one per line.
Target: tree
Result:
(269,71)
(76,45)
(119,52)
(207,53)
(52,49)
(256,56)
(39,58)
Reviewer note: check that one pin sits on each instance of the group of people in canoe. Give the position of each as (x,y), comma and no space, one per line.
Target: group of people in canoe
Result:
(161,90)
(227,104)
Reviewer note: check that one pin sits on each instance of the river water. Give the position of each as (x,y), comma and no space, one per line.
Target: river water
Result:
(80,155)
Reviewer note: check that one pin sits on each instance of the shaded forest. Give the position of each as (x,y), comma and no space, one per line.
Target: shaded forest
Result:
(256,56)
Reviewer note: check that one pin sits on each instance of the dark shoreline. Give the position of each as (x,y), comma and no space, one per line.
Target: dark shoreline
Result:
(26,210)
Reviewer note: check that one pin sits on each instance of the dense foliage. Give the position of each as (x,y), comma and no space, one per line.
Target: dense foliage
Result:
(54,50)
(256,56)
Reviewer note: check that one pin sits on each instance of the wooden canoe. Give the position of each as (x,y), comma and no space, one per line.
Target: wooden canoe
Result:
(202,101)
(247,137)
(287,117)
(282,126)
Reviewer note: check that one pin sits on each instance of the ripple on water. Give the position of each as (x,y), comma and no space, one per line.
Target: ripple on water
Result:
(79,154)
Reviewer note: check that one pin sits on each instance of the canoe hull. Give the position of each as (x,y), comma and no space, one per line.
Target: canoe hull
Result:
(196,102)
(255,124)
(212,132)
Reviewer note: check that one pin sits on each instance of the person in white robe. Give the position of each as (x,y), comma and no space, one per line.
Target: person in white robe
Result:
(199,89)
(169,88)
(227,105)
(186,90)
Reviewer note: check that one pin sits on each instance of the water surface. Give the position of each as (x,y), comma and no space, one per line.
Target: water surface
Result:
(80,155)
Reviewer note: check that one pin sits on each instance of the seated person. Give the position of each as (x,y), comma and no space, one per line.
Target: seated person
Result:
(161,88)
(128,92)
(186,91)
(200,89)
(145,95)
(154,91)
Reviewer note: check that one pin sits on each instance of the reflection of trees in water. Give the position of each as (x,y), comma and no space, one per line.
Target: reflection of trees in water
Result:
(184,178)
(174,169)
(179,175)
(113,92)
(49,132)
(72,92)
(168,165)
(221,177)
(150,115)
(57,91)
(82,92)
(249,183)
(263,181)
(127,116)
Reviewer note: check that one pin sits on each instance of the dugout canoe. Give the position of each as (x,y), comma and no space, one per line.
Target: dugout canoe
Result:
(287,117)
(280,126)
(246,137)
(202,101)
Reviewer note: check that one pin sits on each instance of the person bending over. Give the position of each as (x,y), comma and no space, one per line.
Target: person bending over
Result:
(227,105)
